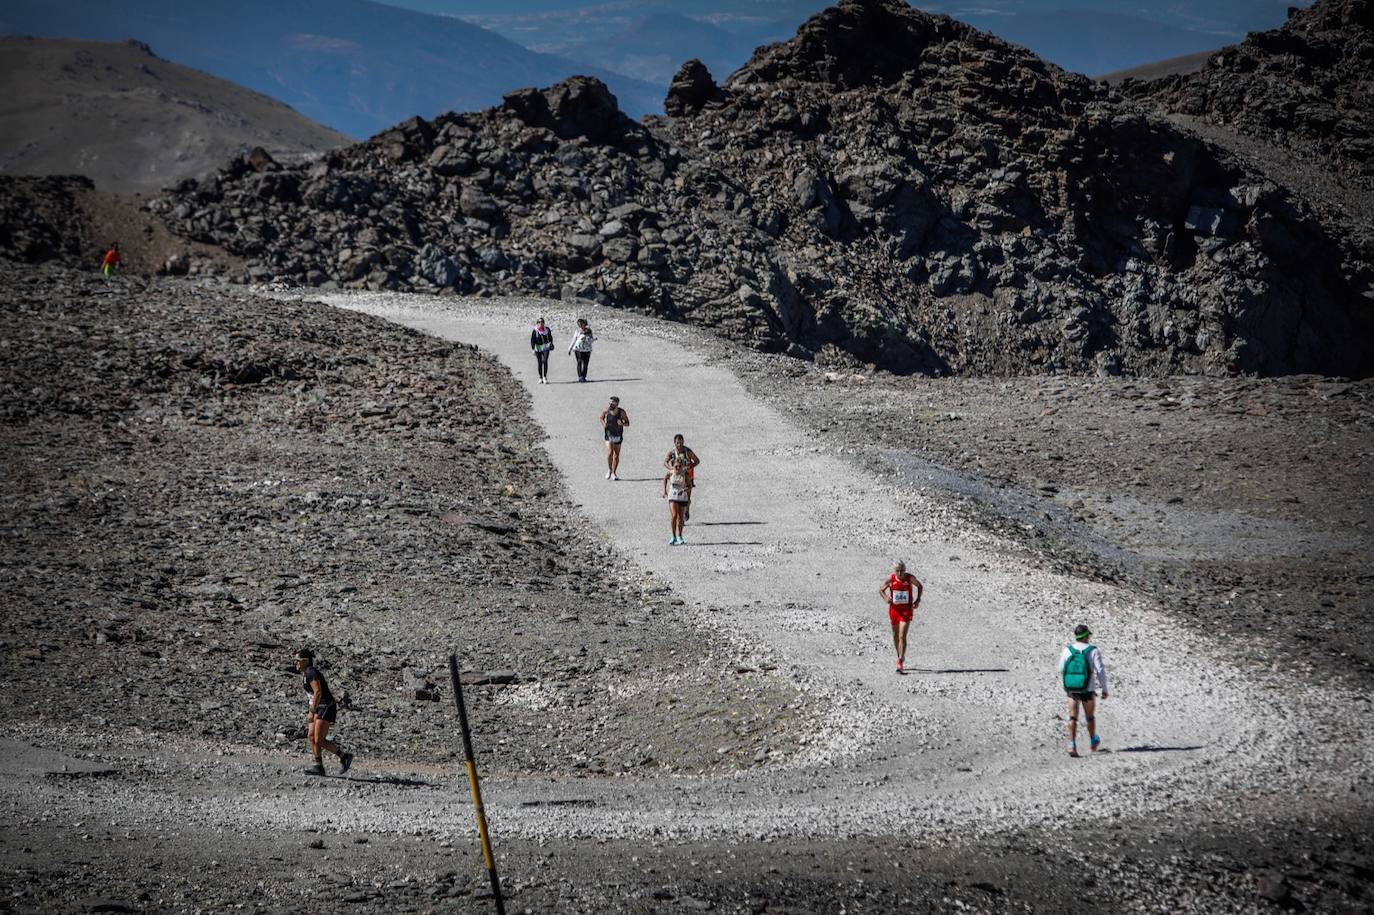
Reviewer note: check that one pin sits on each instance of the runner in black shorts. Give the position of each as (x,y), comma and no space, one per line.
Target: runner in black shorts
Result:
(1083,672)
(613,423)
(321,714)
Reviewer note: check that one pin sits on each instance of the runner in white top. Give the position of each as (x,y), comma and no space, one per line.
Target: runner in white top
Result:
(677,489)
(1082,672)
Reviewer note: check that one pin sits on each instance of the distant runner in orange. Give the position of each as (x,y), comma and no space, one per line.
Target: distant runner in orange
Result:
(111,261)
(902,591)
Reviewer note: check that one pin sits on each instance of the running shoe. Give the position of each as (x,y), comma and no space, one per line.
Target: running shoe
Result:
(317,769)
(615,476)
(672,541)
(608,474)
(345,762)
(1073,750)
(1097,742)
(901,666)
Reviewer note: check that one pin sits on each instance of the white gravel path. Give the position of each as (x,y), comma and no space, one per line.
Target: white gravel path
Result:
(787,546)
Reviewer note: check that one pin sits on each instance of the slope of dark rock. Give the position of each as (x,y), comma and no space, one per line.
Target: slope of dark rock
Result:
(199,481)
(40,220)
(889,185)
(1308,84)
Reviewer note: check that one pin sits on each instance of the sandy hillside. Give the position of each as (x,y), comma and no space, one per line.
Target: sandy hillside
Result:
(129,120)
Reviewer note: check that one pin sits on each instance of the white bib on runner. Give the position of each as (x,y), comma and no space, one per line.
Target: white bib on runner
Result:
(901,597)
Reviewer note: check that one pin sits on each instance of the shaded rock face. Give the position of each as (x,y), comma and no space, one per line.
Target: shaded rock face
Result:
(690,89)
(1308,83)
(578,107)
(889,186)
(40,221)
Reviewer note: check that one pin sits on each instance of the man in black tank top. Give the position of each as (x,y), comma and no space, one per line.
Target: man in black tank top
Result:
(613,423)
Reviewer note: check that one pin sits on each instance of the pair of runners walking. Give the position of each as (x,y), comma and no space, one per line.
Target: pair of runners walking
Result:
(541,344)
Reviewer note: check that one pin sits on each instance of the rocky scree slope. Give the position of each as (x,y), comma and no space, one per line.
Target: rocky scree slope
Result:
(199,481)
(1308,85)
(41,220)
(889,186)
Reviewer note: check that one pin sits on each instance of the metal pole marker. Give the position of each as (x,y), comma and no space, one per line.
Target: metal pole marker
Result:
(487,856)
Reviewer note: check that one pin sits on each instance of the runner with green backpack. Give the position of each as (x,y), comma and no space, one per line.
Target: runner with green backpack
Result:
(1082,672)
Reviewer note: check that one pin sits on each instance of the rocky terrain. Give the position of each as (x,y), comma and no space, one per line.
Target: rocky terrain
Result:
(1306,86)
(63,219)
(41,221)
(129,120)
(209,481)
(888,184)
(193,471)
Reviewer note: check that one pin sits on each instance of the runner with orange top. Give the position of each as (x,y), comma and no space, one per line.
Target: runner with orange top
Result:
(109,264)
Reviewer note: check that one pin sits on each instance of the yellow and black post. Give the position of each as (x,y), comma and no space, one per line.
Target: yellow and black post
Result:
(487,856)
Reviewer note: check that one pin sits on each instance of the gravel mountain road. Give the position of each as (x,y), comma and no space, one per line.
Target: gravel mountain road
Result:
(787,546)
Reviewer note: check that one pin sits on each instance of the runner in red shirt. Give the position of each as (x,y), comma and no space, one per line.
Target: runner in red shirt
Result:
(902,591)
(110,262)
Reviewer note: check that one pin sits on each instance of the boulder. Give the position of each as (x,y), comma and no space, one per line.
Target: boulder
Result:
(690,89)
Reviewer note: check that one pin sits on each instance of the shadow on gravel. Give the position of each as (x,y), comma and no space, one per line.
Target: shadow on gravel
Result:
(641,479)
(725,543)
(959,670)
(396,780)
(1150,748)
(727,523)
(598,381)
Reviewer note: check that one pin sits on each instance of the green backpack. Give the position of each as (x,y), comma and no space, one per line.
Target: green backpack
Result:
(1077,673)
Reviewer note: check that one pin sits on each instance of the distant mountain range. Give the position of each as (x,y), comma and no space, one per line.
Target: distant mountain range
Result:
(649,38)
(116,113)
(356,66)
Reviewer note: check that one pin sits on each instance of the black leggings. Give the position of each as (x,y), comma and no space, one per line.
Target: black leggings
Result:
(543,360)
(583,359)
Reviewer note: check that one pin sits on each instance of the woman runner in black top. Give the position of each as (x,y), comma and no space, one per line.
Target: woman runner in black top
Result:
(541,341)
(321,714)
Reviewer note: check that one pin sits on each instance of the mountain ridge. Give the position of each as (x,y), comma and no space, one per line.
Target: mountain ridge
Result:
(354,65)
(129,120)
(889,186)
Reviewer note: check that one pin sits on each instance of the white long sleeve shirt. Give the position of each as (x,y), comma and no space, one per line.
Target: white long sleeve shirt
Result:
(1097,669)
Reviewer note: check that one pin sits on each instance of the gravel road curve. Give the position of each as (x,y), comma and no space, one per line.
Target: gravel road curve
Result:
(786,548)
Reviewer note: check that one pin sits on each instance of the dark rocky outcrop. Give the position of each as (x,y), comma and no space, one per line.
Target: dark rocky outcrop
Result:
(41,221)
(889,186)
(1307,84)
(690,90)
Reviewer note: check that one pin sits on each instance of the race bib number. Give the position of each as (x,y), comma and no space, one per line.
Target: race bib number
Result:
(614,439)
(901,597)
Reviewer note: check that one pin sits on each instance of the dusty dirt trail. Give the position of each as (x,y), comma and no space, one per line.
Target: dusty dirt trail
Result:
(787,547)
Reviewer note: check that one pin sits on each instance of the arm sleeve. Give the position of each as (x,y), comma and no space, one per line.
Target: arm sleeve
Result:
(1100,669)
